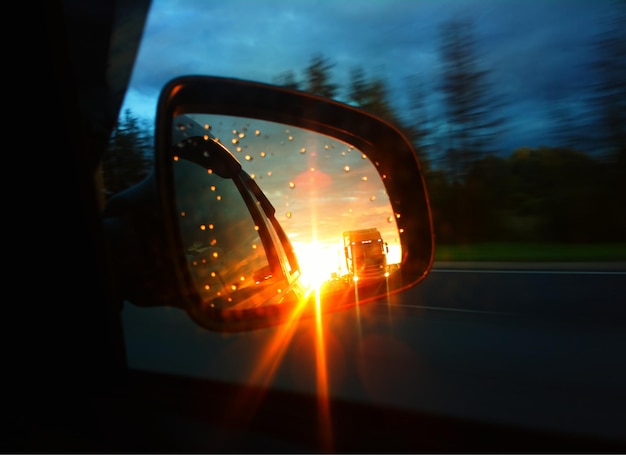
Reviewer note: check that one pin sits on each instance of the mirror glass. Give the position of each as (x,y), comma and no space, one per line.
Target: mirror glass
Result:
(269,212)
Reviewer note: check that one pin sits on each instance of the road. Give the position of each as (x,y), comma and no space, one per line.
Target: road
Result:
(536,348)
(578,293)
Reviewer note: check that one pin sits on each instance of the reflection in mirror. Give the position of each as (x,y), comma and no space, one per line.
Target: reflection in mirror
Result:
(268,212)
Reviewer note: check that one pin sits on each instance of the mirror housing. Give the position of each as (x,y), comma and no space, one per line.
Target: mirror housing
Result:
(170,280)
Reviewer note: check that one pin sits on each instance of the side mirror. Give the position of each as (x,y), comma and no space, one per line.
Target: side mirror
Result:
(270,203)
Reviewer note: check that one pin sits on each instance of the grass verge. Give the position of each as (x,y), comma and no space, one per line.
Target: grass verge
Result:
(532,252)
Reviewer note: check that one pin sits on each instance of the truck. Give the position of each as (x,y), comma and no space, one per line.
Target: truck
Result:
(366,254)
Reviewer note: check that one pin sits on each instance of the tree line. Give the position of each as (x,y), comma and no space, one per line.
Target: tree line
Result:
(557,193)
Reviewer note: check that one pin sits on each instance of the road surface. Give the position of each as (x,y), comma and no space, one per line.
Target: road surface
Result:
(536,348)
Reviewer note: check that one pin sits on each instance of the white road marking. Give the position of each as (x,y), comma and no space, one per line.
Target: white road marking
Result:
(546,272)
(449,309)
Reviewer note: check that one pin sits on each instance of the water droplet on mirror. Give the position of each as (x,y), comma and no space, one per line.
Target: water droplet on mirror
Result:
(288,214)
(248,158)
(373,198)
(346,168)
(303,150)
(292,185)
(257,133)
(290,138)
(364,178)
(235,141)
(263,154)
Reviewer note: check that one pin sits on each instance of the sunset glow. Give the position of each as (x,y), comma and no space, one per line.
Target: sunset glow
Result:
(318,261)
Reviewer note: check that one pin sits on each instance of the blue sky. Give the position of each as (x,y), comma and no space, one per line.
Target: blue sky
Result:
(536,51)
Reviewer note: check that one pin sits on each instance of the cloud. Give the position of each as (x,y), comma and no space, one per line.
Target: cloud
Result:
(536,51)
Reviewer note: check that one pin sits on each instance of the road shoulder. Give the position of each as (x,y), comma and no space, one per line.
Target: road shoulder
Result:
(608,266)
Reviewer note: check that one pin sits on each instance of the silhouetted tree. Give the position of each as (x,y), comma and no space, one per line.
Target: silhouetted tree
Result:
(609,95)
(357,90)
(128,159)
(473,117)
(318,77)
(558,194)
(609,107)
(371,95)
(419,117)
(287,79)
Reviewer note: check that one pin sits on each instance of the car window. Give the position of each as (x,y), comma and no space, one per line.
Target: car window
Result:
(516,112)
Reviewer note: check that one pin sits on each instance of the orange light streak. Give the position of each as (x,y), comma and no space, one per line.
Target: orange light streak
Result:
(265,370)
(325,426)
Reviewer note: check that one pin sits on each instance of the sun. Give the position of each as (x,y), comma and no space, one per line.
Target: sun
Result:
(317,262)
